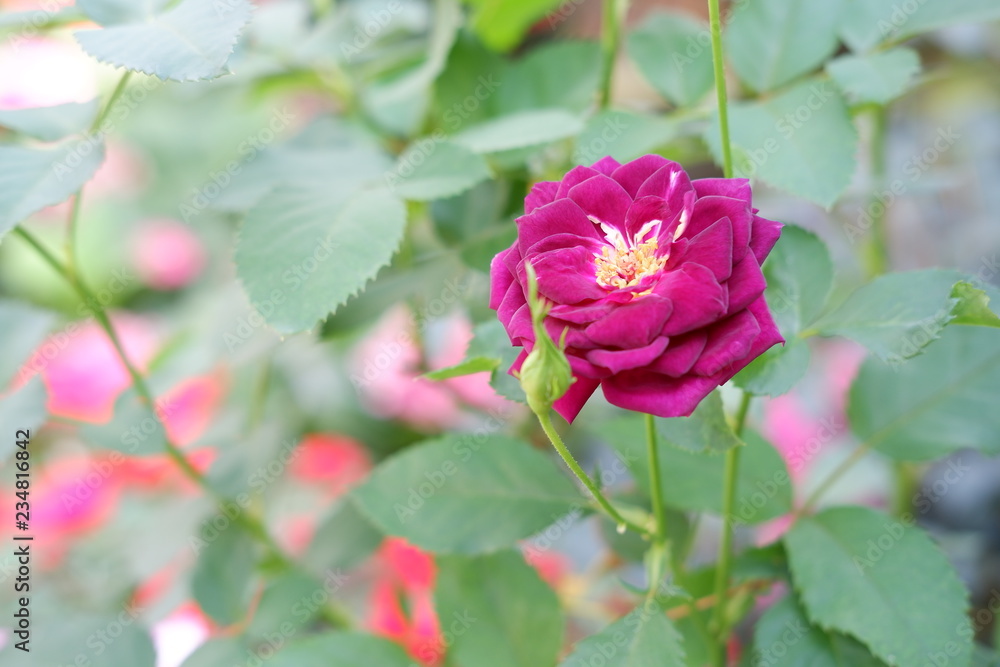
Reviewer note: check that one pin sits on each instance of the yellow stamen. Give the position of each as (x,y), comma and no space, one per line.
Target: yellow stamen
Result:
(620,266)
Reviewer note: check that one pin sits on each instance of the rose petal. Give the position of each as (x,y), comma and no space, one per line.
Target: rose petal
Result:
(746,284)
(519,329)
(659,395)
(633,324)
(512,300)
(582,314)
(567,275)
(670,182)
(707,210)
(500,279)
(737,188)
(607,165)
(632,175)
(617,361)
(769,336)
(698,299)
(603,200)
(560,217)
(575,398)
(765,234)
(643,210)
(541,193)
(713,249)
(573,177)
(681,354)
(728,342)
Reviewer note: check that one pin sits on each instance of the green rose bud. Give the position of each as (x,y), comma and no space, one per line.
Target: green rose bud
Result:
(545,374)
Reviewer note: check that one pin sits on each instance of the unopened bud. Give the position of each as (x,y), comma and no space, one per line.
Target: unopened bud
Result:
(545,374)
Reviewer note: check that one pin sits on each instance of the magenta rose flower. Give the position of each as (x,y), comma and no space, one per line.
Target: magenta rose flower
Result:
(655,278)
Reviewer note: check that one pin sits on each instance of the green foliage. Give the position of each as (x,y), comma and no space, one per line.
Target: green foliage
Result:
(784,637)
(50,123)
(691,479)
(622,135)
(772,42)
(973,306)
(644,636)
(501,23)
(24,407)
(521,129)
(867,23)
(222,576)
(436,170)
(934,404)
(801,140)
(896,315)
(22,328)
(497,489)
(344,539)
(498,611)
(673,54)
(189,42)
(877,78)
(113,12)
(34,178)
(799,275)
(304,251)
(867,575)
(705,430)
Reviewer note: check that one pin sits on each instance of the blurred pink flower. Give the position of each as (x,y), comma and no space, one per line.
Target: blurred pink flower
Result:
(552,566)
(70,497)
(166,253)
(82,371)
(189,407)
(39,72)
(406,573)
(389,363)
(124,172)
(331,461)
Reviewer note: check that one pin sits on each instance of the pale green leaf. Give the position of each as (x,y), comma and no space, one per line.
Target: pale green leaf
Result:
(50,123)
(866,23)
(520,130)
(341,649)
(22,328)
(23,409)
(867,575)
(877,78)
(622,135)
(499,610)
(33,178)
(896,315)
(777,370)
(189,42)
(932,405)
(674,53)
(304,251)
(221,581)
(802,140)
(467,367)
(344,539)
(111,12)
(783,637)
(561,74)
(772,42)
(466,494)
(432,169)
(644,636)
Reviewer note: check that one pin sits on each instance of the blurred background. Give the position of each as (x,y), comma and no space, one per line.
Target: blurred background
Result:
(293,422)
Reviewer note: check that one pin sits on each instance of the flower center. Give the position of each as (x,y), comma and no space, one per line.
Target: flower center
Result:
(620,266)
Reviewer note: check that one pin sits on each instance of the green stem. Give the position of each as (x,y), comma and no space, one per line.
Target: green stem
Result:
(875,253)
(655,483)
(715,24)
(109,105)
(567,456)
(611,32)
(252,524)
(724,566)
